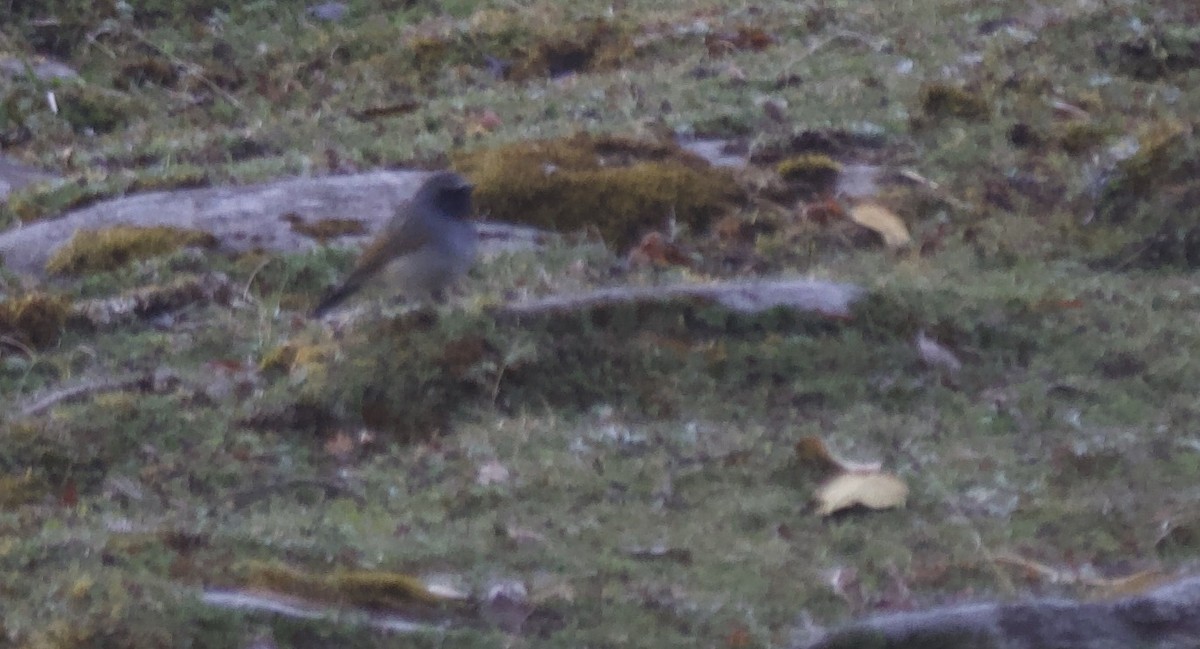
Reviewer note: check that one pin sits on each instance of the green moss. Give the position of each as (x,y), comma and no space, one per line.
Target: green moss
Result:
(302,359)
(1146,208)
(88,107)
(944,100)
(18,489)
(593,45)
(408,376)
(1163,154)
(618,187)
(100,610)
(52,199)
(669,424)
(362,588)
(817,172)
(278,359)
(172,177)
(1081,136)
(521,48)
(92,251)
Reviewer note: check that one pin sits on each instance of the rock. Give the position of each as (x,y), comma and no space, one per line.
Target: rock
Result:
(15,175)
(251,217)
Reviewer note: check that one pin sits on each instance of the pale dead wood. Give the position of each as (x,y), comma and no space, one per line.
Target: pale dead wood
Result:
(243,218)
(251,217)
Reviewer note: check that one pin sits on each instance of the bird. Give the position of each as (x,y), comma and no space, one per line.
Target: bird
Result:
(426,246)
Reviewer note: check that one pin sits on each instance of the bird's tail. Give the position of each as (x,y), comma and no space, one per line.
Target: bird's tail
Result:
(332,299)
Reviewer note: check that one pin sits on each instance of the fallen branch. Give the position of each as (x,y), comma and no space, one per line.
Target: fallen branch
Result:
(832,299)
(79,392)
(1165,618)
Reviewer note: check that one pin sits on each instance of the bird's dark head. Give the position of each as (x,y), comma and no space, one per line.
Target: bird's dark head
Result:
(449,192)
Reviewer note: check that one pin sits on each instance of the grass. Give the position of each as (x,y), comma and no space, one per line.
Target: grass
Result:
(1067,438)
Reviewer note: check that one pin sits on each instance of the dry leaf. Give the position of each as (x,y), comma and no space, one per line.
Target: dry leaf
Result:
(884,221)
(871,490)
(813,450)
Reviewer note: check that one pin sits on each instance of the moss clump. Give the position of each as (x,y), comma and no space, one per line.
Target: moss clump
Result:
(945,100)
(1080,136)
(514,45)
(279,359)
(103,250)
(520,49)
(1155,54)
(300,360)
(1165,155)
(23,488)
(364,588)
(616,186)
(588,46)
(1146,209)
(173,177)
(35,318)
(817,172)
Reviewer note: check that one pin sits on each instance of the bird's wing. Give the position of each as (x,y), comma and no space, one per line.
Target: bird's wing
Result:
(390,244)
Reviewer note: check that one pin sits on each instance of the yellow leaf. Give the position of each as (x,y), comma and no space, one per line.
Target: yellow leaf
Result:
(871,490)
(884,221)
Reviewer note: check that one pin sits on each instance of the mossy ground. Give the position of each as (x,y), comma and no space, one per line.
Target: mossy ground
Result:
(1069,437)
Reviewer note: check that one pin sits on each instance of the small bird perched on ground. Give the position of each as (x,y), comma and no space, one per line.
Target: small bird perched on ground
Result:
(425,247)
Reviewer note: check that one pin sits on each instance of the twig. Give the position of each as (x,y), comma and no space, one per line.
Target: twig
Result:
(77,392)
(17,345)
(250,280)
(912,176)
